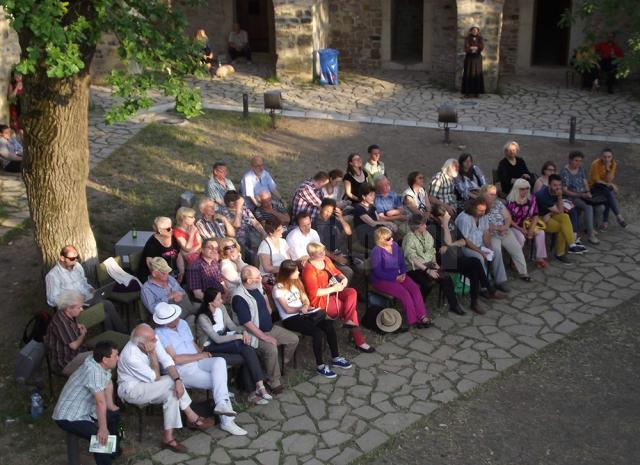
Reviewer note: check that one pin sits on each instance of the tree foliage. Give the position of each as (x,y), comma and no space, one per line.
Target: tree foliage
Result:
(615,14)
(58,40)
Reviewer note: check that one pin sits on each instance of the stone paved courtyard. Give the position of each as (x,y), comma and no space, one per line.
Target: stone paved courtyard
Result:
(412,374)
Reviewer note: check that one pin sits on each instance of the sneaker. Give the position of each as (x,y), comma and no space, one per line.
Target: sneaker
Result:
(576,249)
(326,372)
(257,399)
(341,362)
(231,428)
(224,408)
(563,259)
(264,394)
(593,239)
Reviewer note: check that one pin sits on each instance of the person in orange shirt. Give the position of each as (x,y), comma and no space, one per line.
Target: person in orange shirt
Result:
(609,53)
(601,176)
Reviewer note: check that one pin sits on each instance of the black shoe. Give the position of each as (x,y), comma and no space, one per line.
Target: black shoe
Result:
(502,287)
(370,350)
(458,311)
(563,259)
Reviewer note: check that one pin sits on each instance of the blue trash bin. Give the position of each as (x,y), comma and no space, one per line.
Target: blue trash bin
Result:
(328,66)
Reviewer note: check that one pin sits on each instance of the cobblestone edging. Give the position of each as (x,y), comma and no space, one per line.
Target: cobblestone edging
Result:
(337,421)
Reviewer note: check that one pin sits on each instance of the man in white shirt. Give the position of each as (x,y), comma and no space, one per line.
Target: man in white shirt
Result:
(198,369)
(299,238)
(68,275)
(140,382)
(257,180)
(239,44)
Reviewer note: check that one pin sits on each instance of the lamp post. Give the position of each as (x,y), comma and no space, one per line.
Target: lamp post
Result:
(273,103)
(447,115)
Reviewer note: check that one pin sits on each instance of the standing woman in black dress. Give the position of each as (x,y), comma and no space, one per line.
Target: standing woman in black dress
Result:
(472,80)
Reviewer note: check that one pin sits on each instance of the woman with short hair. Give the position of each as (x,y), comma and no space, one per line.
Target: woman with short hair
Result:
(548,168)
(327,290)
(299,316)
(231,263)
(470,178)
(389,275)
(415,198)
(421,260)
(161,244)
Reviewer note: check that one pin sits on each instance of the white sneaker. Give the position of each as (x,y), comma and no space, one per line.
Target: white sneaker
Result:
(232,428)
(224,408)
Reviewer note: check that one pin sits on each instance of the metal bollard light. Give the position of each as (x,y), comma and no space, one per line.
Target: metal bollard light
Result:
(245,105)
(572,130)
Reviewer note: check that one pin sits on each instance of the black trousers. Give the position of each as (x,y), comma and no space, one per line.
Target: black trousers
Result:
(315,328)
(426,283)
(471,267)
(249,363)
(245,52)
(86,429)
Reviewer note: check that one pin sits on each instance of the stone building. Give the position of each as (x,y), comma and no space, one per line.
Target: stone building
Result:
(521,36)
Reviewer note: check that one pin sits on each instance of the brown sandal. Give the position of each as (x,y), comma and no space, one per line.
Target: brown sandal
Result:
(174,446)
(200,423)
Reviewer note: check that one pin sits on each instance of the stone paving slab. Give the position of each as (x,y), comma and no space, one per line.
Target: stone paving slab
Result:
(413,374)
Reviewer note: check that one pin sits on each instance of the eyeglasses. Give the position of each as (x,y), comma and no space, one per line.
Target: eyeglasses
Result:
(229,247)
(72,259)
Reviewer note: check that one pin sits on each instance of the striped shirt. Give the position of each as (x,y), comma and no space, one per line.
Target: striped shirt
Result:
(61,332)
(307,198)
(77,399)
(442,187)
(215,190)
(202,275)
(209,229)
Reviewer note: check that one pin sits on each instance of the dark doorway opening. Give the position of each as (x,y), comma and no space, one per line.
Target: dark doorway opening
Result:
(256,17)
(550,41)
(406,31)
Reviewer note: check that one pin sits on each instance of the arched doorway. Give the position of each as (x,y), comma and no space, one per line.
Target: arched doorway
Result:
(407,31)
(550,41)
(256,17)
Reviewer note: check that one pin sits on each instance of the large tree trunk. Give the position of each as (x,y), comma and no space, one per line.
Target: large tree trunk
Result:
(56,165)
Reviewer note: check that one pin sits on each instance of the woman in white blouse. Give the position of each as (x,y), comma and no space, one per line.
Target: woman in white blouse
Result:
(273,249)
(415,197)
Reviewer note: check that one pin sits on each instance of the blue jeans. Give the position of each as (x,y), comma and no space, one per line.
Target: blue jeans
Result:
(86,429)
(611,204)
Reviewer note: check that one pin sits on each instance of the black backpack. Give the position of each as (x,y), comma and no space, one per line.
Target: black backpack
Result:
(36,328)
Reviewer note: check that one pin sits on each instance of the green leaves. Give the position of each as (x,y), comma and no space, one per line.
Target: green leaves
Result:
(58,39)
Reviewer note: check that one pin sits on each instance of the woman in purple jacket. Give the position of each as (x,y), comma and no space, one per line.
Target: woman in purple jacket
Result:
(389,275)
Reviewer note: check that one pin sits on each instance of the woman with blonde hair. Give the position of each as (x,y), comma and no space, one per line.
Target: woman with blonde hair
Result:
(231,263)
(327,290)
(525,219)
(389,275)
(299,316)
(161,244)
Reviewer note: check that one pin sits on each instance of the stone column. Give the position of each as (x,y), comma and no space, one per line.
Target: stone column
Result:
(300,26)
(487,15)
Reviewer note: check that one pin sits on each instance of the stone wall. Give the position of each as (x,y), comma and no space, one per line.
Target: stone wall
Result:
(215,17)
(356,28)
(487,15)
(294,36)
(444,35)
(9,56)
(509,37)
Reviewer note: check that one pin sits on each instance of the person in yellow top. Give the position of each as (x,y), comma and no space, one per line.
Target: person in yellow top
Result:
(601,176)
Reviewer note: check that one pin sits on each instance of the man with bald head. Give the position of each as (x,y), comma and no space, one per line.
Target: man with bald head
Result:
(270,208)
(140,382)
(68,275)
(257,180)
(254,313)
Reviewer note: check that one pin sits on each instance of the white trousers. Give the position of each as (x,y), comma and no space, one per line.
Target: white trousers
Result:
(158,392)
(513,247)
(209,373)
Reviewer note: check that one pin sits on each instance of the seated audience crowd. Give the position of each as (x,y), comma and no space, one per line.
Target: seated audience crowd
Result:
(223,272)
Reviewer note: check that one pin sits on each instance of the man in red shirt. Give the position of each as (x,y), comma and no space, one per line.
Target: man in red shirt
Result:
(609,54)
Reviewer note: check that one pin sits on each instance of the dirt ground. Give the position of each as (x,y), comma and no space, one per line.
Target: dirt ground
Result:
(144,179)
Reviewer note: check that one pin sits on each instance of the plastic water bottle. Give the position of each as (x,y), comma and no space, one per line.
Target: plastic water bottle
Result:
(37,405)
